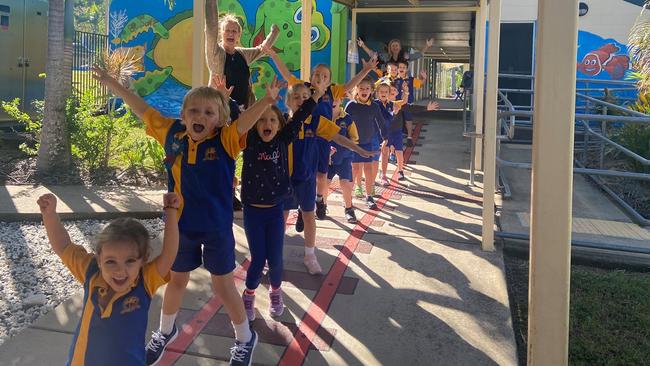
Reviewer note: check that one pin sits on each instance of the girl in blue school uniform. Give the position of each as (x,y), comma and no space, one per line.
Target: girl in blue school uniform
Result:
(118,283)
(266,183)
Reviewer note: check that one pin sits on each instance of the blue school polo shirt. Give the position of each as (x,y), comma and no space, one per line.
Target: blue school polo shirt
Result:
(114,335)
(200,172)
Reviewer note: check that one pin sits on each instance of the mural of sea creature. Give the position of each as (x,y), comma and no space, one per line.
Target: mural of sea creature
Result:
(605,59)
(171,48)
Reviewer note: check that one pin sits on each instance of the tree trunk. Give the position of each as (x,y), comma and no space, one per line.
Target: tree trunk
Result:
(54,151)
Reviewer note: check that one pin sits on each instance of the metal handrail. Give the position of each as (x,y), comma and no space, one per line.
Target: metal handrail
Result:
(611,105)
(579,80)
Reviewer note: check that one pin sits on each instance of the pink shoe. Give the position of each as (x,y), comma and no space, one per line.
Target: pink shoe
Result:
(311,262)
(249,305)
(276,308)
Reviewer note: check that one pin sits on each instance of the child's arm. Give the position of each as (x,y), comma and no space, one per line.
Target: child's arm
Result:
(249,117)
(56,233)
(346,142)
(362,44)
(171,203)
(290,131)
(137,104)
(367,67)
(279,64)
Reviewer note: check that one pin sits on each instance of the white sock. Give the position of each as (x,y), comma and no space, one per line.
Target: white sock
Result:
(309,250)
(167,322)
(242,332)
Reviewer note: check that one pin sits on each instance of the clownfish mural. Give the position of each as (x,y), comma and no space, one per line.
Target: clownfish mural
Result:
(605,59)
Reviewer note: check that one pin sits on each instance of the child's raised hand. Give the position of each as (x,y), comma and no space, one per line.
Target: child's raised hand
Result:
(432,106)
(360,42)
(423,75)
(47,203)
(273,89)
(100,74)
(219,82)
(171,200)
(370,64)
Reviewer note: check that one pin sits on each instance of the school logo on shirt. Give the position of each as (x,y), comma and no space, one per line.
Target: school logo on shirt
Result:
(130,304)
(309,132)
(343,125)
(210,153)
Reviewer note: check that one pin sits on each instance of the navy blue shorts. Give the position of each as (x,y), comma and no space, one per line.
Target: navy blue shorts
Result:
(323,155)
(408,116)
(343,170)
(304,196)
(372,146)
(215,250)
(396,140)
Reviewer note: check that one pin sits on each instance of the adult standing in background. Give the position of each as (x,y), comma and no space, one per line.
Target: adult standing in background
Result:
(394,52)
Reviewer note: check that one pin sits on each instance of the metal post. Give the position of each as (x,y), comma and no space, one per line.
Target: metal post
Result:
(552,182)
(198,44)
(353,36)
(490,135)
(603,131)
(305,40)
(478,72)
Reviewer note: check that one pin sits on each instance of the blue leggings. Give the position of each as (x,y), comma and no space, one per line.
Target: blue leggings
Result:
(264,229)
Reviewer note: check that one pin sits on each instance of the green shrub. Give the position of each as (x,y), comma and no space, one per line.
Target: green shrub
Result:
(636,136)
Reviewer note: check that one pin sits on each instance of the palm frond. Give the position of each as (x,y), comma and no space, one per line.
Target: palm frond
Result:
(120,64)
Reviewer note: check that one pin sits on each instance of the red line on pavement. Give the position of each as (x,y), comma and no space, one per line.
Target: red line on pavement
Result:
(296,352)
(193,328)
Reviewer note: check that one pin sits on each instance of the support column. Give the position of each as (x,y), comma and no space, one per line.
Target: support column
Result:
(198,44)
(490,137)
(353,37)
(478,81)
(305,40)
(552,182)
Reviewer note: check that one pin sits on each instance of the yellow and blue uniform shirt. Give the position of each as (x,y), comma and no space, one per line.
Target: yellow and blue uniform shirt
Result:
(114,334)
(200,172)
(413,83)
(349,130)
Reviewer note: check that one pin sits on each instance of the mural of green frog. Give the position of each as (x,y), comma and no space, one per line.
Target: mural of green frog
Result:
(171,48)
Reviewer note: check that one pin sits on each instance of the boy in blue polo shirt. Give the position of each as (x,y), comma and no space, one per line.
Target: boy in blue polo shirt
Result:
(118,283)
(412,84)
(200,150)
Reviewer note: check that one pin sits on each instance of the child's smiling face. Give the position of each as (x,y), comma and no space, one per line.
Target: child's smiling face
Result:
(392,70)
(321,75)
(402,68)
(120,264)
(363,91)
(383,92)
(201,118)
(393,93)
(268,125)
(297,96)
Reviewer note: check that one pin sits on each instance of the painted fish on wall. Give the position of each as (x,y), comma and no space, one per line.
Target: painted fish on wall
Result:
(605,59)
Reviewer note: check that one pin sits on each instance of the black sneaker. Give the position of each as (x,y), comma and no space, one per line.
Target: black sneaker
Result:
(350,215)
(156,346)
(370,202)
(236,204)
(400,175)
(321,210)
(300,225)
(409,142)
(241,354)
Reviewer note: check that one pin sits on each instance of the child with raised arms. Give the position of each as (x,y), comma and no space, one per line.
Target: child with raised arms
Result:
(302,165)
(306,169)
(412,83)
(118,283)
(200,150)
(266,184)
(371,127)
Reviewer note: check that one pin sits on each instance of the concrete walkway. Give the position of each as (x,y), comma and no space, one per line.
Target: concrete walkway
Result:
(407,285)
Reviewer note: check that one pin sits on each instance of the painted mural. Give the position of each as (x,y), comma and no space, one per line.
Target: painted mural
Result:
(601,59)
(164,38)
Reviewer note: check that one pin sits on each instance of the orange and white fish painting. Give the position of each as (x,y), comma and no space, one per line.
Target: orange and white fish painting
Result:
(605,59)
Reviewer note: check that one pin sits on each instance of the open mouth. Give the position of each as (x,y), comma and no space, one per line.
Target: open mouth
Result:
(120,281)
(266,132)
(198,128)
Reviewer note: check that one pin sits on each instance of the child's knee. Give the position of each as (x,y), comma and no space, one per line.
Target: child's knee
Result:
(179,279)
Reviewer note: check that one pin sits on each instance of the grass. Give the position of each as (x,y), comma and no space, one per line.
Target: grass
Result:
(609,314)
